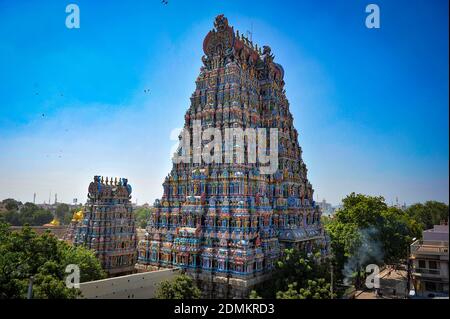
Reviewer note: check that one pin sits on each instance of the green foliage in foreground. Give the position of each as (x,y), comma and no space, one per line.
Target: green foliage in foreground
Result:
(142,216)
(181,287)
(367,231)
(296,276)
(314,289)
(25,254)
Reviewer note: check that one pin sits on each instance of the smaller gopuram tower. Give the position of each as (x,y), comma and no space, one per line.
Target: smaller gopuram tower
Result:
(108,225)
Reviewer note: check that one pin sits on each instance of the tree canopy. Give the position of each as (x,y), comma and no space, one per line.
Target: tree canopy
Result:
(142,215)
(314,289)
(366,230)
(181,287)
(24,254)
(17,214)
(11,204)
(429,214)
(63,213)
(296,276)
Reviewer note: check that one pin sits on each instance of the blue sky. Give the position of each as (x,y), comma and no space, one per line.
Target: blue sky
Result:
(370,105)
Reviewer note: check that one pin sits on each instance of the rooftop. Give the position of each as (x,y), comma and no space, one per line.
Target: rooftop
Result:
(437,233)
(429,247)
(438,229)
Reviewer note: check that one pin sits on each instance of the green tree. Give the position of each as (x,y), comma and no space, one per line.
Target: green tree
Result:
(396,233)
(142,215)
(41,217)
(181,287)
(296,267)
(314,289)
(254,295)
(62,210)
(11,217)
(429,214)
(325,219)
(345,241)
(33,215)
(90,267)
(28,213)
(25,254)
(365,230)
(11,204)
(361,210)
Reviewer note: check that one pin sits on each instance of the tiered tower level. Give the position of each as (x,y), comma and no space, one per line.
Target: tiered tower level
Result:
(108,225)
(226,224)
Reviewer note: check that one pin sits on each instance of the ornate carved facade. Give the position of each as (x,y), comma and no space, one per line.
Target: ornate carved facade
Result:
(226,224)
(108,225)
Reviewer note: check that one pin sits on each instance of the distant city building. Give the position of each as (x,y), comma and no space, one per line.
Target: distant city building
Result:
(430,262)
(326,208)
(108,225)
(398,205)
(146,205)
(52,207)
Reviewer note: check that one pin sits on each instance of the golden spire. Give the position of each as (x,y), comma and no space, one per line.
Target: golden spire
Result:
(77,216)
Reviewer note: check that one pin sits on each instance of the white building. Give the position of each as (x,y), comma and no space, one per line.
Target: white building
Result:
(430,263)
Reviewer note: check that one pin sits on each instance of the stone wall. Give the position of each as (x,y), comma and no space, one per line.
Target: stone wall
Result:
(58,231)
(136,286)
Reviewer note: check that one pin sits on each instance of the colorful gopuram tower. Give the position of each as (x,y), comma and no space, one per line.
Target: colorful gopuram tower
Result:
(227,223)
(108,225)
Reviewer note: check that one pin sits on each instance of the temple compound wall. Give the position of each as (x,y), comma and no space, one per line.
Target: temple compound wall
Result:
(135,286)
